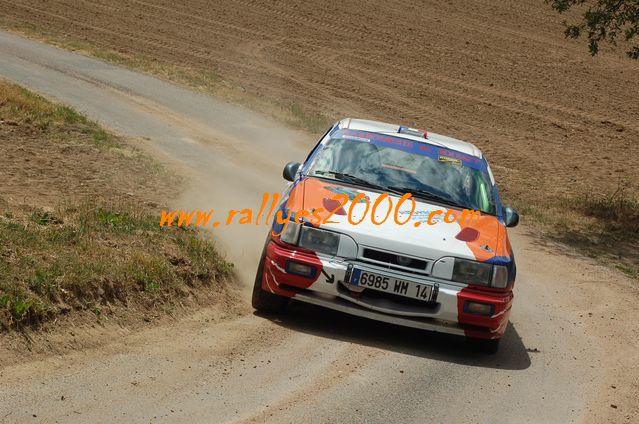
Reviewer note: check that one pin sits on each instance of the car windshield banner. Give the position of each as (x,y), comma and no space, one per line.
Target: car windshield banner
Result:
(417,147)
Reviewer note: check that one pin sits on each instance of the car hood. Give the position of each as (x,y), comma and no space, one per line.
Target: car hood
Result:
(480,238)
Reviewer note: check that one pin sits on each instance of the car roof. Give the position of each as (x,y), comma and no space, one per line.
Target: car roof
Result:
(394,130)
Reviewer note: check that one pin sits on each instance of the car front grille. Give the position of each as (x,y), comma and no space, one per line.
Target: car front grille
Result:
(393,260)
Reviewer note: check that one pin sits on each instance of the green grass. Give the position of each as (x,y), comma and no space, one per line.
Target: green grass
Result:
(25,108)
(126,220)
(94,255)
(630,271)
(311,122)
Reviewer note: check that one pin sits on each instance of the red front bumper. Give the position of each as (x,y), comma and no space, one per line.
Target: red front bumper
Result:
(479,326)
(275,266)
(276,279)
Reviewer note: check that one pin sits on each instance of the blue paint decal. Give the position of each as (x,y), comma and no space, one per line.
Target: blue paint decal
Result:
(499,207)
(276,227)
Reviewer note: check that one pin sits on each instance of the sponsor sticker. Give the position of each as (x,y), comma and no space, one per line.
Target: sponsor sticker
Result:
(452,161)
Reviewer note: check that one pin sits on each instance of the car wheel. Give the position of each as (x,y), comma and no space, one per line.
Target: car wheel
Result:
(264,301)
(490,346)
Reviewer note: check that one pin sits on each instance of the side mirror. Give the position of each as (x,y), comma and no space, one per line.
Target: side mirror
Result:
(511,217)
(290,170)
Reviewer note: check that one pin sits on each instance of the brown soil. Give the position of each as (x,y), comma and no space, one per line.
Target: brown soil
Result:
(552,120)
(52,155)
(42,172)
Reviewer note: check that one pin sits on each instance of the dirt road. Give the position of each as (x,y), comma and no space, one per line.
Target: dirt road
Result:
(570,354)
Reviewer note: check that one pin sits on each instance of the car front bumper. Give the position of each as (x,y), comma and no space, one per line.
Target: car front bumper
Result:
(328,287)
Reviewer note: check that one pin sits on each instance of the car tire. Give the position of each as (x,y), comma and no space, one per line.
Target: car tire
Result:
(489,346)
(262,300)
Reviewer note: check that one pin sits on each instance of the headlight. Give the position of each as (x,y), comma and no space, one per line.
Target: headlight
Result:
(331,243)
(319,240)
(471,272)
(500,276)
(291,233)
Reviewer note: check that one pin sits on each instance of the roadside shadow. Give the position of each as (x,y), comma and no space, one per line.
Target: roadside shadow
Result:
(606,245)
(326,323)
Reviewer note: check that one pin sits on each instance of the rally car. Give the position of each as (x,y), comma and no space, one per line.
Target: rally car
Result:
(372,224)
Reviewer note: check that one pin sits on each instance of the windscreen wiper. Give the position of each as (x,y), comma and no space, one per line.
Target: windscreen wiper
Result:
(341,176)
(427,195)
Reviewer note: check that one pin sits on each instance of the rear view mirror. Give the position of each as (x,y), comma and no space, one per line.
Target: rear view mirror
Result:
(511,217)
(290,170)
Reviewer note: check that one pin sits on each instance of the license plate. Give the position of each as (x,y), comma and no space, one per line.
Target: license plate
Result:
(393,285)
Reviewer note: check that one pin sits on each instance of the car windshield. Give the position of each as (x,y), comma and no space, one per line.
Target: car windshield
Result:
(388,166)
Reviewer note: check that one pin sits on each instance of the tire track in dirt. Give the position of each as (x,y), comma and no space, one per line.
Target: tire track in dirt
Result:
(418,74)
(236,32)
(202,53)
(336,63)
(185,49)
(331,375)
(344,25)
(256,52)
(155,42)
(331,23)
(497,24)
(172,10)
(364,102)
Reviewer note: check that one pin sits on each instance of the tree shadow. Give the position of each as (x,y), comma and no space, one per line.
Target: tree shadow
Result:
(326,323)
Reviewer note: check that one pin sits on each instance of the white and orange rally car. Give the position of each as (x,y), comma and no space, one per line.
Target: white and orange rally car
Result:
(397,225)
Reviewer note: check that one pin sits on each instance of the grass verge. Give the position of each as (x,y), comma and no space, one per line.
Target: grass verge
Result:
(88,256)
(604,227)
(21,107)
(100,246)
